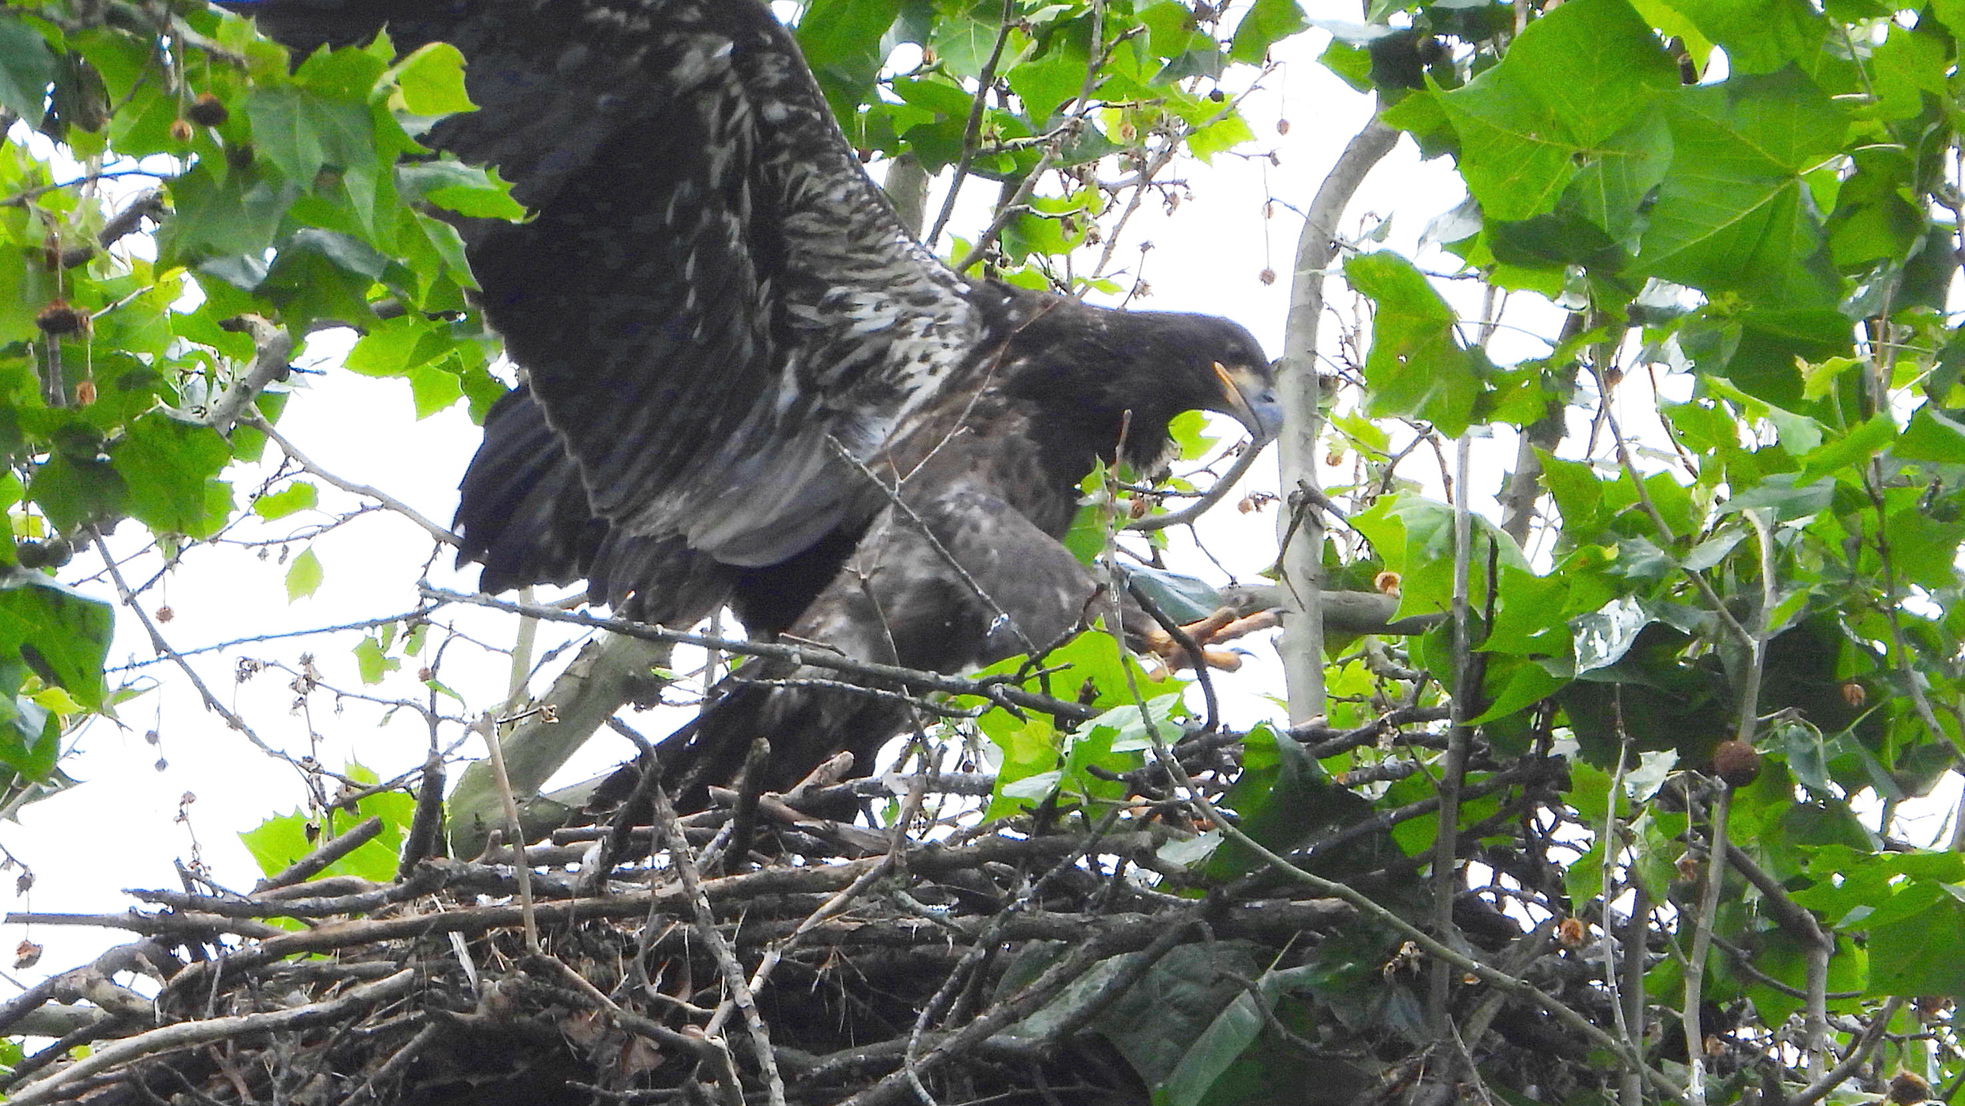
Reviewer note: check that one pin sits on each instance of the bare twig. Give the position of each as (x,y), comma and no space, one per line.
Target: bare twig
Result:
(254,420)
(985,84)
(190,1033)
(726,958)
(329,851)
(164,649)
(994,690)
(487,728)
(1858,1053)
(1215,494)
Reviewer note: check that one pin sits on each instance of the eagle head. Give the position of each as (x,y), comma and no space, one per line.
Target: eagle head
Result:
(1093,370)
(1239,381)
(1174,362)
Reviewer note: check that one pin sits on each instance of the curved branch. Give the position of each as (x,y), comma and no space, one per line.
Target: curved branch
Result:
(272,347)
(1209,498)
(1302,571)
(258,423)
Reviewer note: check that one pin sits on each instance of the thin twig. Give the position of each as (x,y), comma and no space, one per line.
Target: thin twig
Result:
(259,423)
(684,861)
(985,84)
(164,649)
(1864,1045)
(1215,494)
(191,1033)
(487,728)
(994,690)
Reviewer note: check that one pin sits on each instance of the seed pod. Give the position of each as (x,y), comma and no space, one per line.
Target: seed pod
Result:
(180,131)
(1387,583)
(207,111)
(59,319)
(1906,1089)
(1736,762)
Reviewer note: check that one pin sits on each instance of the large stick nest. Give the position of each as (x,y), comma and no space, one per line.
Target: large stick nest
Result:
(1051,960)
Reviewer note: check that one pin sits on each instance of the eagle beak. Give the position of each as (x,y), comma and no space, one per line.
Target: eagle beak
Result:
(1251,400)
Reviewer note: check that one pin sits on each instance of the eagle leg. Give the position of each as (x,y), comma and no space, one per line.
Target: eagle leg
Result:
(1225,624)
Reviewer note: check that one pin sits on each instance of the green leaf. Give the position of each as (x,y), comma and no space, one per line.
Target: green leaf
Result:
(1189,433)
(1760,36)
(297,496)
(1184,598)
(233,217)
(1222,1043)
(464,189)
(1784,496)
(1603,637)
(1266,23)
(1734,214)
(1932,435)
(1851,450)
(434,388)
(1574,78)
(371,662)
(58,633)
(1413,535)
(165,462)
(399,345)
(1921,954)
(431,81)
(1049,80)
(1221,135)
(73,491)
(842,42)
(303,576)
(27,67)
(1416,368)
(1169,1014)
(277,842)
(1513,683)
(1923,549)
(965,36)
(1028,772)
(1285,798)
(302,131)
(1528,609)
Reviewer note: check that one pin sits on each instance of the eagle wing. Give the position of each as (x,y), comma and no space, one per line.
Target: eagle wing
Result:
(710,292)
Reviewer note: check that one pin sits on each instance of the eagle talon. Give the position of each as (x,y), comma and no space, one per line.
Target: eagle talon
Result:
(1223,625)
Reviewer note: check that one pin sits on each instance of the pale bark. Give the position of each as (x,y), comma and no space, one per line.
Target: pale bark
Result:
(1302,571)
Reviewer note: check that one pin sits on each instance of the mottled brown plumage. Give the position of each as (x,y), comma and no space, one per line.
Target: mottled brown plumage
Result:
(739,363)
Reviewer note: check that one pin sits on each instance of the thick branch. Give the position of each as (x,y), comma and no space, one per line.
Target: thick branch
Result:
(1303,644)
(610,671)
(272,346)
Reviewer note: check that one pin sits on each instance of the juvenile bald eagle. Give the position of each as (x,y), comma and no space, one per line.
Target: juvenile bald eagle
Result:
(739,362)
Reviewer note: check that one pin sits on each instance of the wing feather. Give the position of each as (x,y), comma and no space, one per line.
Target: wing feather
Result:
(711,287)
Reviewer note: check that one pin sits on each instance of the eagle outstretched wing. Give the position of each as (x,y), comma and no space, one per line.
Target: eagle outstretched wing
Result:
(711,291)
(746,383)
